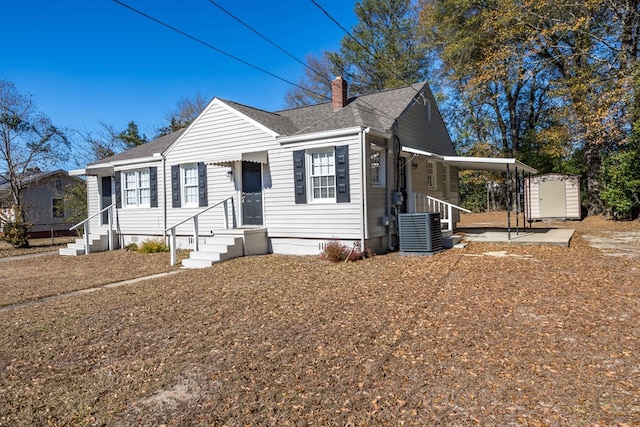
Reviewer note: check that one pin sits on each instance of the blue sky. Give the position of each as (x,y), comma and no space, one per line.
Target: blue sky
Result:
(91,60)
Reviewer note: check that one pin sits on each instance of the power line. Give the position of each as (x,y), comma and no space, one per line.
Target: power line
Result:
(235,57)
(375,54)
(269,41)
(164,24)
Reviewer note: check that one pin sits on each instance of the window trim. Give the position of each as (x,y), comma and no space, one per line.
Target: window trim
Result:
(310,176)
(60,200)
(381,168)
(183,185)
(432,174)
(138,188)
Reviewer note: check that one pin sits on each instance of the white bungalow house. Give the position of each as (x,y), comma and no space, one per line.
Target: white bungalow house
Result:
(240,180)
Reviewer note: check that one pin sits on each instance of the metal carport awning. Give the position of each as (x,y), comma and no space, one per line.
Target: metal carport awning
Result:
(230,159)
(506,165)
(497,164)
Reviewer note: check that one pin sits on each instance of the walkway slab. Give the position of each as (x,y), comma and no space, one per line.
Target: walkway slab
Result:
(531,237)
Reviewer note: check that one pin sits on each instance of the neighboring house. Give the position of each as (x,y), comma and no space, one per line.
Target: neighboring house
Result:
(42,198)
(340,170)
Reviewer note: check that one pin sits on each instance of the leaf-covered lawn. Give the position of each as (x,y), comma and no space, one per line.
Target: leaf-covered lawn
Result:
(43,276)
(541,336)
(36,246)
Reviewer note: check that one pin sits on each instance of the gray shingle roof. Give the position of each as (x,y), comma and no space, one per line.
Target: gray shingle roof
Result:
(377,110)
(145,150)
(278,123)
(28,178)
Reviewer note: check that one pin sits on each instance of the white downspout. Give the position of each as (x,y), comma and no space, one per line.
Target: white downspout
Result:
(164,197)
(363,187)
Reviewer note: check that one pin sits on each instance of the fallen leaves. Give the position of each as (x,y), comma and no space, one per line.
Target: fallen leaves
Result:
(444,340)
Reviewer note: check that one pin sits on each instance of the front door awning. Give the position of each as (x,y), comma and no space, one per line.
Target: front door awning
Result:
(230,159)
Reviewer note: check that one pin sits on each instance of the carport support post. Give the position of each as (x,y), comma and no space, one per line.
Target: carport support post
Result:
(508,205)
(517,202)
(528,207)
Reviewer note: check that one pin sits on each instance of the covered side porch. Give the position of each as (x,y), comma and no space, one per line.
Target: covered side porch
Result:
(433,186)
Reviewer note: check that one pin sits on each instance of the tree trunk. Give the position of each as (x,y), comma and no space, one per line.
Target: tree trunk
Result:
(595,206)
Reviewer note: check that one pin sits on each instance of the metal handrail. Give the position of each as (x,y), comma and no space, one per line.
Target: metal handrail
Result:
(194,217)
(87,249)
(90,218)
(445,208)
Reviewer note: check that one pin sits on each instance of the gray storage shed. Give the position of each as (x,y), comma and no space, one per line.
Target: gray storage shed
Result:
(552,196)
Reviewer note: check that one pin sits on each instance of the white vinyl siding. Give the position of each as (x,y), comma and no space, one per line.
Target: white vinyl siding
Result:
(217,133)
(136,188)
(322,175)
(286,219)
(143,220)
(422,127)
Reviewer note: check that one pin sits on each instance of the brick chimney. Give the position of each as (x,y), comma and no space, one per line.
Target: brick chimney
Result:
(339,93)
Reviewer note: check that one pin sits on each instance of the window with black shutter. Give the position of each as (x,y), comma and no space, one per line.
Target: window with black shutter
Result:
(323,174)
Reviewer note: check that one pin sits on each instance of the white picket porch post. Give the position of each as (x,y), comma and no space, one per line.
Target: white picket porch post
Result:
(172,245)
(195,233)
(86,238)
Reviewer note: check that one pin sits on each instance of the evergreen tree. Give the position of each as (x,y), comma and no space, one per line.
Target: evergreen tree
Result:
(384,50)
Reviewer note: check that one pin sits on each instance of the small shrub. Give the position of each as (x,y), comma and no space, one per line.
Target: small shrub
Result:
(335,251)
(16,233)
(153,246)
(131,247)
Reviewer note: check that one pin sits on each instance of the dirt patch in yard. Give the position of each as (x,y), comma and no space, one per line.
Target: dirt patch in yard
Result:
(450,339)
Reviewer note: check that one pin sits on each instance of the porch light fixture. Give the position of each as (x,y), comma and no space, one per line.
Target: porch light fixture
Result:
(230,174)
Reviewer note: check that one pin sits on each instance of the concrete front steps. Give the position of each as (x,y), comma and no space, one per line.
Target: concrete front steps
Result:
(453,241)
(97,243)
(228,244)
(220,248)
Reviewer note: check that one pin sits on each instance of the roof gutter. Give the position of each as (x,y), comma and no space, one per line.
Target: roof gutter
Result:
(319,135)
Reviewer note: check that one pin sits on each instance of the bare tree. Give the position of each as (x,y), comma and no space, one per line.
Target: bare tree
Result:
(28,140)
(185,112)
(106,141)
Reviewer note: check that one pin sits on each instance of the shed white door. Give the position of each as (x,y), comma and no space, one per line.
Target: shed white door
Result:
(553,200)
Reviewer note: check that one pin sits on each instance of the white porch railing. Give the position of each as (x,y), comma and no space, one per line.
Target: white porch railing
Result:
(172,229)
(85,223)
(424,203)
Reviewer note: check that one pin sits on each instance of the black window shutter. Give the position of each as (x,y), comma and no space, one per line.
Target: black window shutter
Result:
(118,189)
(299,181)
(202,184)
(342,174)
(153,186)
(175,186)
